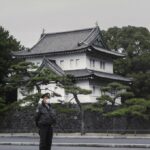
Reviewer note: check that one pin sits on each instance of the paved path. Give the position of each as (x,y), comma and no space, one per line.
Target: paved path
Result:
(6,147)
(78,142)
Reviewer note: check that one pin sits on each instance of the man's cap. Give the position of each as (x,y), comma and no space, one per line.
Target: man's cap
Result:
(46,95)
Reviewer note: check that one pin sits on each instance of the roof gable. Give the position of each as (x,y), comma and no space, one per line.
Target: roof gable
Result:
(51,65)
(95,38)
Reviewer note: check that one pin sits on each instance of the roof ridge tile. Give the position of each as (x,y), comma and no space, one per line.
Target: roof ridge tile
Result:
(69,31)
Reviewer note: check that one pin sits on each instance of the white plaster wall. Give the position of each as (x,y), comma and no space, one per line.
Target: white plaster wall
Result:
(84,84)
(108,64)
(83,62)
(82,98)
(95,93)
(67,66)
(79,61)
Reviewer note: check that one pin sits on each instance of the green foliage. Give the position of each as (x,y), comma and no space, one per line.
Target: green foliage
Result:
(132,40)
(2,106)
(135,42)
(76,90)
(104,99)
(141,84)
(134,107)
(8,44)
(114,87)
(125,95)
(65,108)
(25,74)
(130,107)
(117,113)
(112,91)
(93,108)
(42,77)
(19,75)
(30,100)
(6,107)
(67,80)
(107,102)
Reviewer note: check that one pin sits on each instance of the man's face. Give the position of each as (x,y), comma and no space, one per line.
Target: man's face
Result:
(46,100)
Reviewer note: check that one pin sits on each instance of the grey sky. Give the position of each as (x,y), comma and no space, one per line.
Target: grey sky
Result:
(26,18)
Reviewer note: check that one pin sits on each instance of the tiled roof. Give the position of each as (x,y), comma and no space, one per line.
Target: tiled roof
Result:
(62,41)
(87,72)
(68,42)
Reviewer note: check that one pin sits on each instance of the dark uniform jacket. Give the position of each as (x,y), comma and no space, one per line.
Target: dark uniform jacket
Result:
(45,115)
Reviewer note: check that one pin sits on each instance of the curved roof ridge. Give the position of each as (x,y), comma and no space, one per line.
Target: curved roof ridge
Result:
(103,40)
(87,37)
(95,35)
(69,31)
(92,36)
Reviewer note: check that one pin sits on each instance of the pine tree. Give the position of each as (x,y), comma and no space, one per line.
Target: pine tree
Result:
(8,44)
(25,74)
(69,84)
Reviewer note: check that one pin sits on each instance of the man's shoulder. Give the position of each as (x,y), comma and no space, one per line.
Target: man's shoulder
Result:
(39,107)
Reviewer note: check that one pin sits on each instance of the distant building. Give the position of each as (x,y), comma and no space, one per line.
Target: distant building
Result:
(82,53)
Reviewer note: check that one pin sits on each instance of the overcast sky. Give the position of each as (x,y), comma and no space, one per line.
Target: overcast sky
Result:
(25,19)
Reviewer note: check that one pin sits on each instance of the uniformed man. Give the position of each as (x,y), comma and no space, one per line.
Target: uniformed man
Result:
(45,118)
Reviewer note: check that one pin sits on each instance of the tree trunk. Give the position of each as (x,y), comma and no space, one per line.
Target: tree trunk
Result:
(38,89)
(128,119)
(82,123)
(81,114)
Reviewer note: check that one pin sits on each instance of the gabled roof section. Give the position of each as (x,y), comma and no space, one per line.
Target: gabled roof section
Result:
(51,64)
(95,38)
(65,41)
(81,73)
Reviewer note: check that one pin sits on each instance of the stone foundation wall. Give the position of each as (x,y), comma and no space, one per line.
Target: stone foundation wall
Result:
(22,120)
